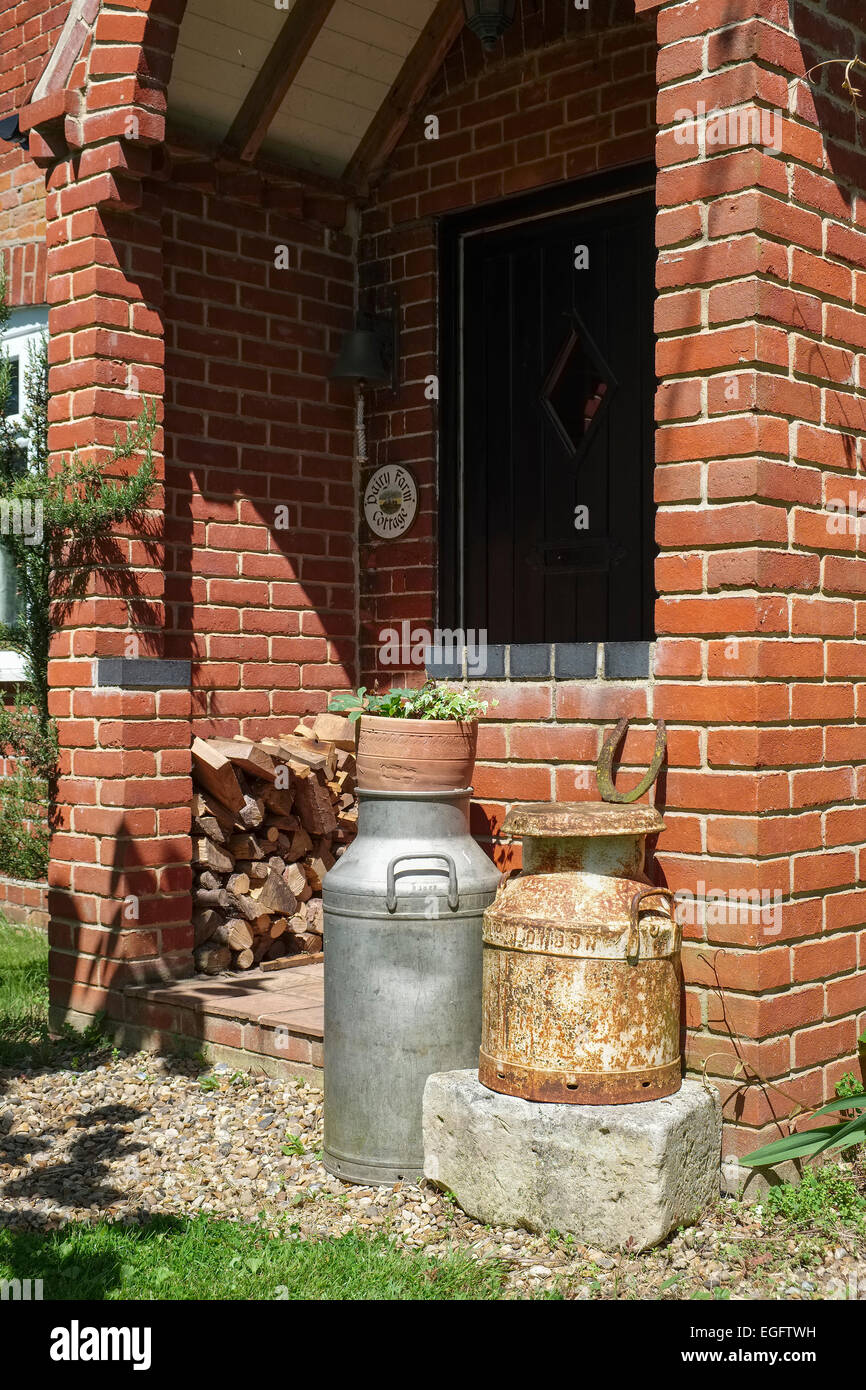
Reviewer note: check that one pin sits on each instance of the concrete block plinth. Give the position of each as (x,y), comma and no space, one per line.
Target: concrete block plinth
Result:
(606,1173)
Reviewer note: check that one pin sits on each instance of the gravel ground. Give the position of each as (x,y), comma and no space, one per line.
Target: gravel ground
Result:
(137,1136)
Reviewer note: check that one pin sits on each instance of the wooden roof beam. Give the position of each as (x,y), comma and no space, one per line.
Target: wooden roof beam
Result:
(278,72)
(409,87)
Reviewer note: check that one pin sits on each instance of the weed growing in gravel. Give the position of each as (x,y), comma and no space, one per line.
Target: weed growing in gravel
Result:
(826,1198)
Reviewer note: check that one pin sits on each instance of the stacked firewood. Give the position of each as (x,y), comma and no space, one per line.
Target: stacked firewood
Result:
(269,819)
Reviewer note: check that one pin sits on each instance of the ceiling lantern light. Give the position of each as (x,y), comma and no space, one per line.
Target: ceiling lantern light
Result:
(489,19)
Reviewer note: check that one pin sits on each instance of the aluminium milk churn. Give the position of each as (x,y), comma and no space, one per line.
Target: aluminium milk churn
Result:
(403,910)
(581,963)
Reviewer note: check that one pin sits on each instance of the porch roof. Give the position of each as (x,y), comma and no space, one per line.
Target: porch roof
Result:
(324,86)
(327,86)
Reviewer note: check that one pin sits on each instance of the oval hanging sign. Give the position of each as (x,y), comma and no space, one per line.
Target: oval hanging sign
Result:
(391,501)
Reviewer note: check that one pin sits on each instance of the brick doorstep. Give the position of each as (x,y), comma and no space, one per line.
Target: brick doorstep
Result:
(262,1016)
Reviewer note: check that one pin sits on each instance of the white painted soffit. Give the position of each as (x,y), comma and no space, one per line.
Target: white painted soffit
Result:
(339,88)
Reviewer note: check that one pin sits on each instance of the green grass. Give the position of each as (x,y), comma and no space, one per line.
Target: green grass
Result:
(23,993)
(827,1199)
(204,1259)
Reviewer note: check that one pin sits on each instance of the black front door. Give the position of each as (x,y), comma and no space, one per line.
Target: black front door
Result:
(554,435)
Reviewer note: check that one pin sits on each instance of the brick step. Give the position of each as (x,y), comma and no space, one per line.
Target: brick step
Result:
(276,1016)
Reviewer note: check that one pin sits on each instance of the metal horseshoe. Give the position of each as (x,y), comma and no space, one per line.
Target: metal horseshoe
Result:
(604,770)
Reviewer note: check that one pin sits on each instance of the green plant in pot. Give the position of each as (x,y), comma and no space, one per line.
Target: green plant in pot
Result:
(415,740)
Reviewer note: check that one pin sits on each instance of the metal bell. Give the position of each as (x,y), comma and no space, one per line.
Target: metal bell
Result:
(360,358)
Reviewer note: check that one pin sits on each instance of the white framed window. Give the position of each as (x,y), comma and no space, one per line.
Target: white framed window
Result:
(23,331)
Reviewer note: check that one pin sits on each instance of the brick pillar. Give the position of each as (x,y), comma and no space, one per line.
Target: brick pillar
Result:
(760,312)
(120,876)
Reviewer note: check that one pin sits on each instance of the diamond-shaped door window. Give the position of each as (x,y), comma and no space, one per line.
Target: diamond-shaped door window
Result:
(578,391)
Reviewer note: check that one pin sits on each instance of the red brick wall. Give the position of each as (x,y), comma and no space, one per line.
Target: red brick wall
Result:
(761,316)
(28,31)
(24,901)
(120,873)
(263,600)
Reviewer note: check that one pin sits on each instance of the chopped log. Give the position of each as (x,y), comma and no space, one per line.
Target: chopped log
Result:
(204,924)
(288,962)
(315,915)
(247,907)
(235,934)
(279,927)
(242,752)
(253,813)
(210,826)
(294,878)
(239,884)
(346,762)
(208,879)
(210,959)
(245,960)
(336,729)
(271,833)
(301,844)
(204,805)
(263,943)
(274,896)
(278,948)
(245,847)
(314,807)
(279,800)
(316,868)
(307,942)
(277,863)
(307,752)
(209,897)
(207,853)
(215,773)
(256,870)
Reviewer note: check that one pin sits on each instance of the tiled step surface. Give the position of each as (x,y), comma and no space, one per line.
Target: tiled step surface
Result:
(275,1014)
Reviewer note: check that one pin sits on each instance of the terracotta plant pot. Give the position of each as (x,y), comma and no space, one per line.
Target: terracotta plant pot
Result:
(421,755)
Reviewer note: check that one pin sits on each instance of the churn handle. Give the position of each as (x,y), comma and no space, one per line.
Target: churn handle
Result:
(453,896)
(634,928)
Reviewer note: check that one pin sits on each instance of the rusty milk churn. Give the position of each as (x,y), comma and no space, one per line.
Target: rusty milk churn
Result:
(403,911)
(581,963)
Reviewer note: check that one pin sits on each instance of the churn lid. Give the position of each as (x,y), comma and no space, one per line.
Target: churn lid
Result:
(582,818)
